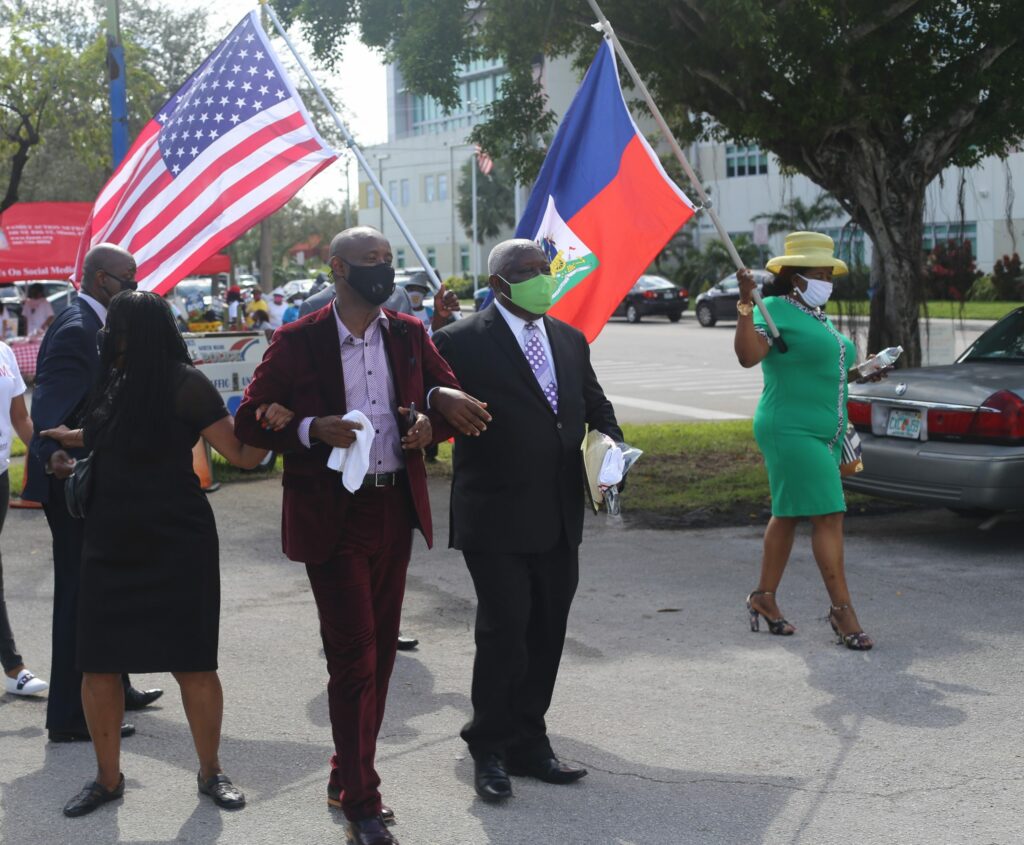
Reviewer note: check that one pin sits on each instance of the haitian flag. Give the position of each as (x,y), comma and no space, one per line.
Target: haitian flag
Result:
(602,207)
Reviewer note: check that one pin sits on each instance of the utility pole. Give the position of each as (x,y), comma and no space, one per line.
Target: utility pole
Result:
(118,90)
(474,167)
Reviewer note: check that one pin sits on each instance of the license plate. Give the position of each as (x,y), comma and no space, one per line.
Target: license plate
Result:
(669,294)
(904,424)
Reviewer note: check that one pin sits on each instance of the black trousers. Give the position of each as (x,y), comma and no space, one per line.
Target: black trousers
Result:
(9,656)
(523,606)
(64,705)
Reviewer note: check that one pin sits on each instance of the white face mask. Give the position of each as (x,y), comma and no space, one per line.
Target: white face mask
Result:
(416,300)
(817,293)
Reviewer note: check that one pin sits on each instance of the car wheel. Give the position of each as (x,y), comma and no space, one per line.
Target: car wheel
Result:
(674,317)
(706,315)
(632,314)
(266,465)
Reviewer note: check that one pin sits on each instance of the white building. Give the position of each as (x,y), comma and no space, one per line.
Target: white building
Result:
(421,166)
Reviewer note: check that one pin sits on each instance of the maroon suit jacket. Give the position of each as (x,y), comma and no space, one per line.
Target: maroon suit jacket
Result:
(302,371)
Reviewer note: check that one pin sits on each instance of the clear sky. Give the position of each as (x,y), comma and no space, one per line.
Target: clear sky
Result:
(360,83)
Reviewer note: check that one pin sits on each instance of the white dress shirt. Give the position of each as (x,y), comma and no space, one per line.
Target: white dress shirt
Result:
(100,310)
(518,327)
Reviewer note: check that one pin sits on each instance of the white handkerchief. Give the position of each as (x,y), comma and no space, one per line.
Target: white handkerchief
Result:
(612,468)
(353,461)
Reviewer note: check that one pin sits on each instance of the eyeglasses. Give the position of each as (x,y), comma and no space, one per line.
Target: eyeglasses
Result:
(126,284)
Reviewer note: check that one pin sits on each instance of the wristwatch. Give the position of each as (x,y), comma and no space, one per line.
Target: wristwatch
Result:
(744,309)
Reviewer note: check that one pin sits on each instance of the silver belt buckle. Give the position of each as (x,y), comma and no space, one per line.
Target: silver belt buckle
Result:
(377,476)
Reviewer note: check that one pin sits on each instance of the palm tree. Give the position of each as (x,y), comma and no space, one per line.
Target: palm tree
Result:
(796,215)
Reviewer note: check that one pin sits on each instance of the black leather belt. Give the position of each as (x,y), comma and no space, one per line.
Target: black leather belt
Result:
(382,479)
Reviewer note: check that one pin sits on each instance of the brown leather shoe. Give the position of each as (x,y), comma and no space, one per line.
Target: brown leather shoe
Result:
(334,801)
(549,770)
(93,795)
(371,831)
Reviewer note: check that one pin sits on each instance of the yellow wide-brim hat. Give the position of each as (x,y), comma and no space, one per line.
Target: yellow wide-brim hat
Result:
(808,249)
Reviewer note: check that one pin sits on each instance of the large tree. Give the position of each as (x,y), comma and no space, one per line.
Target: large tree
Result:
(495,200)
(871,99)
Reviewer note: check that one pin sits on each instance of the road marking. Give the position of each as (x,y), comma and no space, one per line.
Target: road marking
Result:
(676,410)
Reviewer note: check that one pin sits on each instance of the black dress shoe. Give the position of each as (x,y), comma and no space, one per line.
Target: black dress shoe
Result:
(334,800)
(371,831)
(127,729)
(407,643)
(223,792)
(91,797)
(136,699)
(490,778)
(549,770)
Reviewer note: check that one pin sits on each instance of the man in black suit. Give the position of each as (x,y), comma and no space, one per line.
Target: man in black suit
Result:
(517,508)
(67,368)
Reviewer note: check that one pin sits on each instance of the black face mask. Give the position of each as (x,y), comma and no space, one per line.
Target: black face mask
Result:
(374,283)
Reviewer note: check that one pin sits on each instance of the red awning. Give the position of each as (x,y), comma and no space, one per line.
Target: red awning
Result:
(39,240)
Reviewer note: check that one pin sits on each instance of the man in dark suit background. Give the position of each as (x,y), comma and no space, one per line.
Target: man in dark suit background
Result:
(67,369)
(517,508)
(354,355)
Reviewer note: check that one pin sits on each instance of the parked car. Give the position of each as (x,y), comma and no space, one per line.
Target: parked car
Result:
(298,286)
(950,435)
(58,293)
(719,301)
(653,295)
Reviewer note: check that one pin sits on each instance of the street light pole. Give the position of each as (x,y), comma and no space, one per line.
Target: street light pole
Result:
(380,178)
(474,166)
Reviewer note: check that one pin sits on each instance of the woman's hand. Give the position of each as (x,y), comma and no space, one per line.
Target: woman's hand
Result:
(874,377)
(273,417)
(421,433)
(747,284)
(69,438)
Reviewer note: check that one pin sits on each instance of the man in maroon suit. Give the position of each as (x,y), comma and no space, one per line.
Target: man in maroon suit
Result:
(352,355)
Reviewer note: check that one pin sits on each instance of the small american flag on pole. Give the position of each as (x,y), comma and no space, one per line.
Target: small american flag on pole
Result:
(231,147)
(484,161)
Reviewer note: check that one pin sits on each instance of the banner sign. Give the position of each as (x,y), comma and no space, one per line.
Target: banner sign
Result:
(39,240)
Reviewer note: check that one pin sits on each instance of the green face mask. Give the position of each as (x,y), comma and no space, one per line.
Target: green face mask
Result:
(533,295)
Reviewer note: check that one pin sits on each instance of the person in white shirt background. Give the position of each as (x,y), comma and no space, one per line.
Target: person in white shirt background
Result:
(37,310)
(14,419)
(276,309)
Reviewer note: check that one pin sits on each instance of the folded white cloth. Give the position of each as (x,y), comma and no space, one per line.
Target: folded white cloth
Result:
(613,467)
(353,461)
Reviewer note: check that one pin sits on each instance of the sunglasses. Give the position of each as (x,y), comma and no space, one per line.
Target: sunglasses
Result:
(126,284)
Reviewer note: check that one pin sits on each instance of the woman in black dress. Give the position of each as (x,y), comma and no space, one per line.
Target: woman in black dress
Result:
(150,586)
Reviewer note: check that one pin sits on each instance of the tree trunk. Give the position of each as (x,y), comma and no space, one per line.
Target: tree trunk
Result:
(18,161)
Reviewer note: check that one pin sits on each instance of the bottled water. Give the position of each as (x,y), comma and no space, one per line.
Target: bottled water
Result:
(885,358)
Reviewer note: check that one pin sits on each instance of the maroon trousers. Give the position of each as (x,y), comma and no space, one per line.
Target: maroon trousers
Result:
(359,595)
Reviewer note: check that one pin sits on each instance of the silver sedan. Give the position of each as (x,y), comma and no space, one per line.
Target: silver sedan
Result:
(950,435)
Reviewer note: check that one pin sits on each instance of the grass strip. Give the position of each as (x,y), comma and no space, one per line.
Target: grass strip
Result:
(934,309)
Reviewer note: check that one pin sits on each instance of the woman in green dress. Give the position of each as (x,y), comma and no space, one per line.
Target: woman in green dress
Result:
(800,425)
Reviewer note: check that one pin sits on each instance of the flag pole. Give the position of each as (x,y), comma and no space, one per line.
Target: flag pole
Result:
(351,144)
(609,33)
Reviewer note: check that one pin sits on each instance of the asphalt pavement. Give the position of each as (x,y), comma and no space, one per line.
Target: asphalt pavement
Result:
(657,371)
(694,729)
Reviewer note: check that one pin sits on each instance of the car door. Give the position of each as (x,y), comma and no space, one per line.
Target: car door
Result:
(725,304)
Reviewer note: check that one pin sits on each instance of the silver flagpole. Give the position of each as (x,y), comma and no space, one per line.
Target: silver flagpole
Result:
(609,33)
(351,144)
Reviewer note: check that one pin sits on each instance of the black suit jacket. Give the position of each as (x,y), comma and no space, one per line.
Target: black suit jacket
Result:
(519,486)
(66,370)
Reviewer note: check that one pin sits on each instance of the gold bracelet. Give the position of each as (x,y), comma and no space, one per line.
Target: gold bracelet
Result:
(744,309)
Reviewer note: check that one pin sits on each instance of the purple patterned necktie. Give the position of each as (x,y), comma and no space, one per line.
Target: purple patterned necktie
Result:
(538,360)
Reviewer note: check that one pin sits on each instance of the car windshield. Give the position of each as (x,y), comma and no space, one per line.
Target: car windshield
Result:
(652,283)
(1003,342)
(730,284)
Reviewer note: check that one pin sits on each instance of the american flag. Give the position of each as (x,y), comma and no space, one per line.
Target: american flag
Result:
(484,161)
(232,146)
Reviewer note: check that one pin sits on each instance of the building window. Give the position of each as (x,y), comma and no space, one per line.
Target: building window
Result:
(464,259)
(405,192)
(937,233)
(442,186)
(428,189)
(371,197)
(745,160)
(431,256)
(393,190)
(400,258)
(849,246)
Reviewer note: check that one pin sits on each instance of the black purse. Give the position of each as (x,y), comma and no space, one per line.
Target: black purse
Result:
(79,485)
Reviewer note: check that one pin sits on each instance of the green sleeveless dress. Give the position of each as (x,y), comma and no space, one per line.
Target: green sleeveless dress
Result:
(800,421)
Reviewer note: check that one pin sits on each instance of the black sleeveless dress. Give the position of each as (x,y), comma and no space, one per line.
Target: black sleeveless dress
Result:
(149,599)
